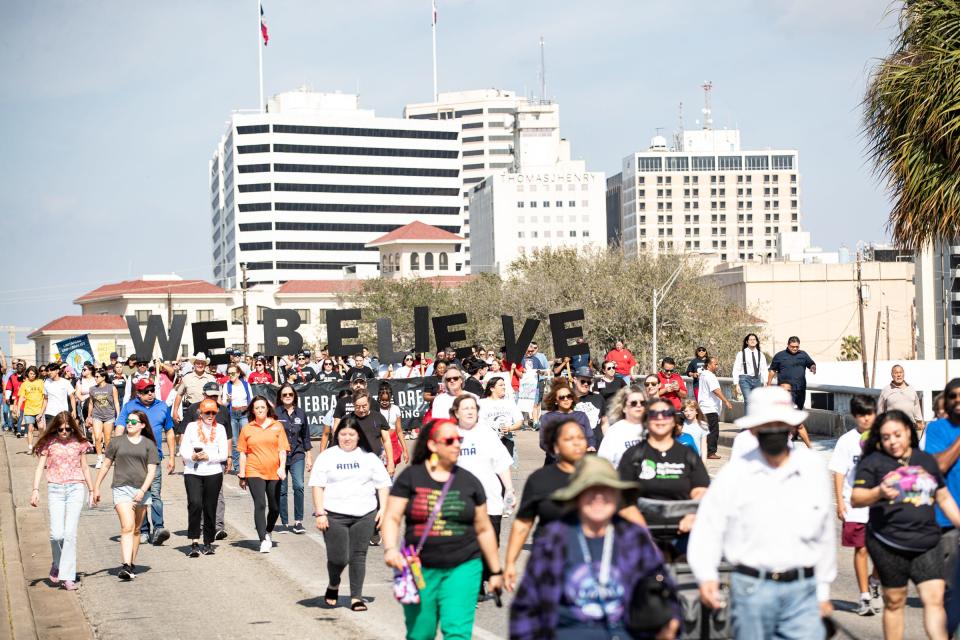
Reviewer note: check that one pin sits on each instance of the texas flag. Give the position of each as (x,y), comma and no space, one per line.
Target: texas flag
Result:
(263,28)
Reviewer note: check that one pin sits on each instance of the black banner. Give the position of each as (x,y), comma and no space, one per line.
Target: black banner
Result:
(317,398)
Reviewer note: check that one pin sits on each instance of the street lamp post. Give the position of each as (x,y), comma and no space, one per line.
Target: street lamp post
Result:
(658,296)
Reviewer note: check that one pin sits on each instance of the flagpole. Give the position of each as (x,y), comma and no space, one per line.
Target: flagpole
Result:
(433,21)
(260,53)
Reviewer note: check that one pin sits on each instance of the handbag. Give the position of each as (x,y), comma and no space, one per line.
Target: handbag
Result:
(408,581)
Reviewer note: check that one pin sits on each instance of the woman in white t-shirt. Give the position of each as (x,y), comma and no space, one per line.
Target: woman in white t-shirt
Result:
(204,448)
(499,412)
(347,480)
(483,455)
(626,411)
(82,391)
(695,424)
(406,370)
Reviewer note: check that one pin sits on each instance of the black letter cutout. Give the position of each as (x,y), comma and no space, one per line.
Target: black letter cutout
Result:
(169,343)
(272,332)
(445,337)
(203,342)
(515,348)
(385,343)
(421,329)
(337,333)
(562,334)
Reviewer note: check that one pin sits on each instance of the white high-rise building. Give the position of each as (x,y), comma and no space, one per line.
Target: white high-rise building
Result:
(709,196)
(937,300)
(546,200)
(487,118)
(298,191)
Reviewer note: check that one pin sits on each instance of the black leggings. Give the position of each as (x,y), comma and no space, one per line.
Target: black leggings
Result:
(495,521)
(348,539)
(265,493)
(202,495)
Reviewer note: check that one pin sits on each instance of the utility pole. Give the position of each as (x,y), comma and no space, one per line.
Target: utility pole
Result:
(913,331)
(243,294)
(863,332)
(658,296)
(169,307)
(876,348)
(886,328)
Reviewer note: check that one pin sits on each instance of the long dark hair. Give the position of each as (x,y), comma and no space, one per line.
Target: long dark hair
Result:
(287,385)
(746,338)
(352,422)
(491,383)
(147,430)
(873,443)
(52,432)
(271,412)
(420,449)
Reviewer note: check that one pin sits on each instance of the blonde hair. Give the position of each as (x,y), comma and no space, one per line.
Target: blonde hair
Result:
(619,401)
(690,402)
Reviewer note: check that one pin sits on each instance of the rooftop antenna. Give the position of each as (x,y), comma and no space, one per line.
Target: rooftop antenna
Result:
(678,134)
(543,73)
(707,113)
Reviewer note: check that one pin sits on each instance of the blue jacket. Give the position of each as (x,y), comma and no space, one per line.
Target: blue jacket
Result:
(158,414)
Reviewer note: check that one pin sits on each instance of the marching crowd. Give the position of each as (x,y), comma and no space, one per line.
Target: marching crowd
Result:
(622,496)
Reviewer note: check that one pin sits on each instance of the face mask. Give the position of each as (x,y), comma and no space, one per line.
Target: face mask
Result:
(773,443)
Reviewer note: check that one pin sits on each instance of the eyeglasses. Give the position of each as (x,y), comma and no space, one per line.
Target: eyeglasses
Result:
(133,421)
(565,396)
(636,403)
(286,395)
(451,378)
(209,413)
(301,358)
(661,413)
(449,442)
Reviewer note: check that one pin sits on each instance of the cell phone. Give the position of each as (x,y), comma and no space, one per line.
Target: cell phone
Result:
(198,449)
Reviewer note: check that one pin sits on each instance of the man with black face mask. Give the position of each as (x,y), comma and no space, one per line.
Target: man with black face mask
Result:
(769,514)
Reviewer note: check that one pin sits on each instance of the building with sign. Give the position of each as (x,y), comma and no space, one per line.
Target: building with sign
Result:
(706,194)
(298,191)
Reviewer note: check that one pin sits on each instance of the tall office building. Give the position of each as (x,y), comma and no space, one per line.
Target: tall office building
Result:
(487,118)
(937,300)
(298,191)
(708,195)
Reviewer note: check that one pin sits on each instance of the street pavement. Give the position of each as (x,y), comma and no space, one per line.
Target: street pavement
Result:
(239,592)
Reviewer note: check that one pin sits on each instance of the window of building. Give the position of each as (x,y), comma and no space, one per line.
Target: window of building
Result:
(444,261)
(757,163)
(533,204)
(204,315)
(546,204)
(649,164)
(428,261)
(520,204)
(703,163)
(519,234)
(677,163)
(143,316)
(781,163)
(415,261)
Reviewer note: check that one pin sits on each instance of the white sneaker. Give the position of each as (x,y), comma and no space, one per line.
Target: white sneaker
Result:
(29,449)
(99,462)
(266,545)
(268,539)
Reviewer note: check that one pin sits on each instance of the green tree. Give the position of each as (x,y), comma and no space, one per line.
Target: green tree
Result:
(849,348)
(912,122)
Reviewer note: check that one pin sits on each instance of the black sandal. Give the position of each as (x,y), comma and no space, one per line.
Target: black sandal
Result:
(330,597)
(358,605)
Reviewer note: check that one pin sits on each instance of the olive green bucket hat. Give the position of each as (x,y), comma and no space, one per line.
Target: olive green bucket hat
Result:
(591,471)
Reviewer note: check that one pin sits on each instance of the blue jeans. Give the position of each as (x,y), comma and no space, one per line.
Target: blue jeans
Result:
(65,503)
(781,610)
(294,473)
(748,384)
(7,417)
(156,506)
(238,420)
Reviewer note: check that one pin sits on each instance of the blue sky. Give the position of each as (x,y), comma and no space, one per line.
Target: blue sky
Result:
(112,109)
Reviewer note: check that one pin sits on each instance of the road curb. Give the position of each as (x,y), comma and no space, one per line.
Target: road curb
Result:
(15,601)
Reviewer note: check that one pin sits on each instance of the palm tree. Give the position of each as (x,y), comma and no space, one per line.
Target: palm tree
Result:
(912,122)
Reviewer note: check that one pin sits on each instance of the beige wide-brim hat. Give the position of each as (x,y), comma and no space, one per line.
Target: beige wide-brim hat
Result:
(591,471)
(200,357)
(769,405)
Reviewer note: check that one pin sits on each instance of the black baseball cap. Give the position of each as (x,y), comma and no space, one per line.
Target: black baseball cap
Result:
(211,389)
(357,375)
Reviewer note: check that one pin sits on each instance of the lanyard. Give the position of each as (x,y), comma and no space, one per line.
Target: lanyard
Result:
(606,560)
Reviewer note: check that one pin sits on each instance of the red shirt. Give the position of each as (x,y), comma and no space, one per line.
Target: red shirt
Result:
(672,396)
(260,377)
(517,373)
(623,359)
(13,386)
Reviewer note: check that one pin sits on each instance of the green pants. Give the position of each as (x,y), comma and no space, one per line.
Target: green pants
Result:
(449,598)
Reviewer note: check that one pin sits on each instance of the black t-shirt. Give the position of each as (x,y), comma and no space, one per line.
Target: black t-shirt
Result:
(792,367)
(593,405)
(344,406)
(365,370)
(536,503)
(909,521)
(453,539)
(373,426)
(663,475)
(327,376)
(607,389)
(474,386)
(300,375)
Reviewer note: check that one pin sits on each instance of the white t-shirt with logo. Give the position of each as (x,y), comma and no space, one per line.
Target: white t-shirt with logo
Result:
(58,396)
(497,414)
(483,455)
(706,385)
(619,437)
(846,455)
(350,480)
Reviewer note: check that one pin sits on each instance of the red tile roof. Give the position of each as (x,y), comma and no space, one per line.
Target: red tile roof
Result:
(348,286)
(155,287)
(83,323)
(414,231)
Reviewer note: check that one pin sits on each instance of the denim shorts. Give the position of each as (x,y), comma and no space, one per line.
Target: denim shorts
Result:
(127,493)
(25,419)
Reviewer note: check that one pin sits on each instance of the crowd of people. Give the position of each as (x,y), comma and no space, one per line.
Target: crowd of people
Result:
(618,446)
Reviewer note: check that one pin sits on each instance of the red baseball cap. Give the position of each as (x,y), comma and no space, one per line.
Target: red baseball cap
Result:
(143,383)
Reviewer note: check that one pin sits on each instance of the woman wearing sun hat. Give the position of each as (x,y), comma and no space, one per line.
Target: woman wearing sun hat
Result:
(584,569)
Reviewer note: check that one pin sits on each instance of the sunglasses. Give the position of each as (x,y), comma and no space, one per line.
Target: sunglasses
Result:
(451,378)
(661,413)
(651,384)
(609,368)
(148,391)
(636,403)
(449,442)
(132,421)
(286,395)
(408,359)
(953,396)
(233,373)
(64,429)
(565,396)
(209,413)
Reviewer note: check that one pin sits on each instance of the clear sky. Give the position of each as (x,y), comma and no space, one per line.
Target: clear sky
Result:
(111,109)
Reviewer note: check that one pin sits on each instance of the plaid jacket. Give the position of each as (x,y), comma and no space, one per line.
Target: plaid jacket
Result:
(533,614)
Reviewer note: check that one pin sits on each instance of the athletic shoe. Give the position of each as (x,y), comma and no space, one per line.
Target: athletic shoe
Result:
(220,535)
(54,574)
(864,609)
(876,602)
(375,538)
(280,528)
(194,550)
(144,538)
(207,549)
(266,545)
(298,528)
(69,585)
(160,536)
(99,461)
(29,449)
(126,572)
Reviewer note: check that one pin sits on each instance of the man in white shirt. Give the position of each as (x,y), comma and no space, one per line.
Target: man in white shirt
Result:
(769,515)
(453,387)
(709,397)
